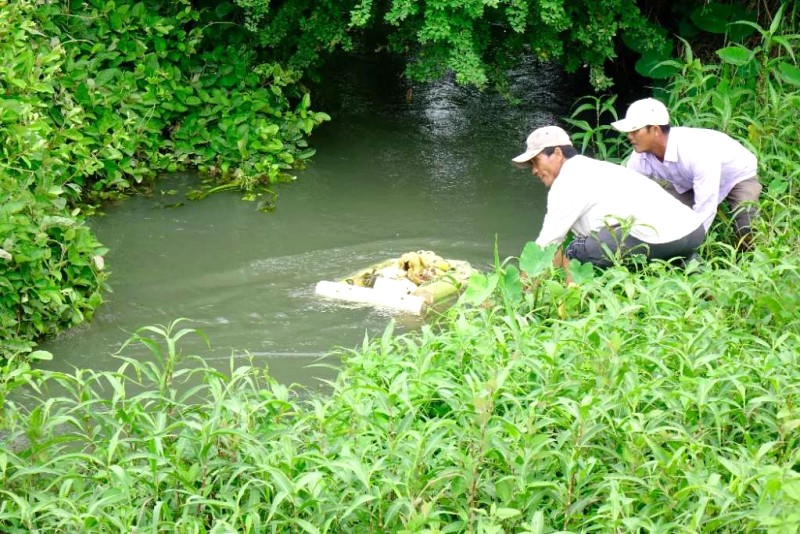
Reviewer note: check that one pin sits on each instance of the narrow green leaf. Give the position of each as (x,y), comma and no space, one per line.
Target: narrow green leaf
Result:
(789,73)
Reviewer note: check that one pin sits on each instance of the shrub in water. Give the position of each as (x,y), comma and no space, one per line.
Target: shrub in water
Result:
(50,262)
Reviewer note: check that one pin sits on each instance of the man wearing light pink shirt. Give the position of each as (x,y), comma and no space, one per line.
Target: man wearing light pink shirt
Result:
(702,167)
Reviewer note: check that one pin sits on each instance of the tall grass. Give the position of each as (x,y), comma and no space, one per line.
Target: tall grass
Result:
(664,400)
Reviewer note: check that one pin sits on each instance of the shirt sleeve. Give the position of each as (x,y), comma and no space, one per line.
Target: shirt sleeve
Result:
(562,212)
(706,175)
(637,163)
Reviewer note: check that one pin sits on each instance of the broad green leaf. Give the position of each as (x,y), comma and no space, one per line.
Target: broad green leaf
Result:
(776,20)
(507,513)
(534,259)
(792,489)
(41,355)
(357,503)
(479,288)
(581,272)
(512,285)
(715,17)
(735,55)
(10,208)
(656,67)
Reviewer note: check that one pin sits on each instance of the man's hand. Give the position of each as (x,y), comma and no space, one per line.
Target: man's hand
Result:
(560,260)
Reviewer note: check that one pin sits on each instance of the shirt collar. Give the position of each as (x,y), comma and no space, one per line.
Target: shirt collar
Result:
(671,152)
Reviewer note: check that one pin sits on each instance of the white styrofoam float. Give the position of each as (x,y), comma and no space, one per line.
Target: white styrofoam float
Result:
(405,302)
(408,284)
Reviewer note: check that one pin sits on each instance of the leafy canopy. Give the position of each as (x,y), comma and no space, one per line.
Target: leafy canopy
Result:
(476,40)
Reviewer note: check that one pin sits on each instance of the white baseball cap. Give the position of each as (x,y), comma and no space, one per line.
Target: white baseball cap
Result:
(645,112)
(540,139)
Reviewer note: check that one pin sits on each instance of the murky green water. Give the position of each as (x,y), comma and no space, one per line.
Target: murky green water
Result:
(390,176)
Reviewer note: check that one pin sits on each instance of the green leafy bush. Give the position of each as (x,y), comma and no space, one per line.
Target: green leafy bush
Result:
(50,262)
(98,97)
(477,41)
(150,86)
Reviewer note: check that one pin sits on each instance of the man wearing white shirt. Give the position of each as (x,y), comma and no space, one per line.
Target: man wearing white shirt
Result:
(702,167)
(608,208)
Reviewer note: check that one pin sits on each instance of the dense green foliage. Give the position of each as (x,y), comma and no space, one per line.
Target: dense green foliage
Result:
(97,97)
(750,94)
(149,86)
(50,263)
(479,40)
(476,40)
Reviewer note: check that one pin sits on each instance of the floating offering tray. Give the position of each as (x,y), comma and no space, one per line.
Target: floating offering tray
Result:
(411,283)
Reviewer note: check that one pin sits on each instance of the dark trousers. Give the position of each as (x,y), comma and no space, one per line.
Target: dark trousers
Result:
(604,246)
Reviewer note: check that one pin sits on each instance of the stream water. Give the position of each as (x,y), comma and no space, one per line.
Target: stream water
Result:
(395,171)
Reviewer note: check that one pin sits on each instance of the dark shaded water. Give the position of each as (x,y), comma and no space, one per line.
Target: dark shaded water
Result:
(391,175)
